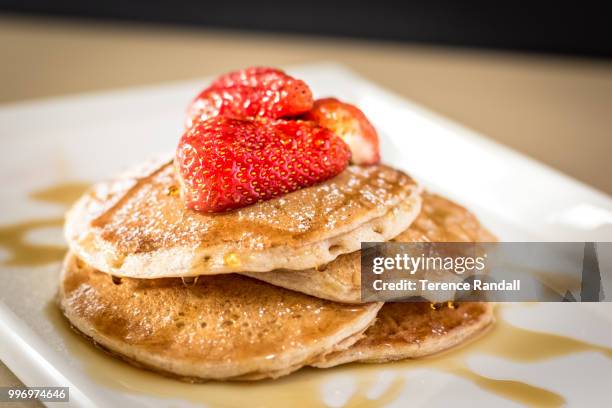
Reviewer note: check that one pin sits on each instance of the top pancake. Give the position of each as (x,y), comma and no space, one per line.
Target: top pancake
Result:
(138,226)
(440,220)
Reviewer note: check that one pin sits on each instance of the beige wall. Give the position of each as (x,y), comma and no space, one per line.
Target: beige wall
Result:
(557,110)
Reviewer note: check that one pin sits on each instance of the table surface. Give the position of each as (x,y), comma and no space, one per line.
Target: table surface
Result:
(555,109)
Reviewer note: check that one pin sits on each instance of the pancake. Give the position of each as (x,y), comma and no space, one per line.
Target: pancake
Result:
(440,220)
(413,330)
(221,327)
(138,226)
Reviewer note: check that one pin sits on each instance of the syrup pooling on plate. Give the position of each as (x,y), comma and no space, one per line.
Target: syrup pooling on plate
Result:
(21,252)
(13,237)
(302,389)
(64,194)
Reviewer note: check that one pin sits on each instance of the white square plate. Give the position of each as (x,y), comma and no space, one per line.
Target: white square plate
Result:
(89,138)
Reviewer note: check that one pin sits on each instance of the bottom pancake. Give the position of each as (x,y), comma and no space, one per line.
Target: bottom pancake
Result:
(220,327)
(413,330)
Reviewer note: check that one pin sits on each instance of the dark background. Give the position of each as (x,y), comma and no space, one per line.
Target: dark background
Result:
(576,28)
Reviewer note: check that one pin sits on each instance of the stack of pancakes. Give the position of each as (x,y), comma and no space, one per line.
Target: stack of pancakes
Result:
(260,291)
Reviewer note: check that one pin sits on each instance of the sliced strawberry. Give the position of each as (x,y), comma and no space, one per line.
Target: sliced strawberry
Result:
(348,122)
(225,163)
(253,92)
(252,76)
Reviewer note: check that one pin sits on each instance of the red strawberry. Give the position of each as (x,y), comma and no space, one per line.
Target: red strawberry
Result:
(225,163)
(252,76)
(348,122)
(253,92)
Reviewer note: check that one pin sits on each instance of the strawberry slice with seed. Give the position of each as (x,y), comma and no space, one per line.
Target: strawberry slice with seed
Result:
(226,163)
(351,124)
(252,92)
